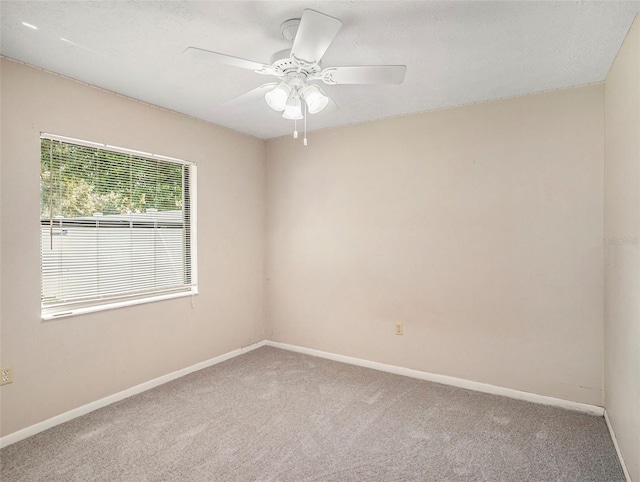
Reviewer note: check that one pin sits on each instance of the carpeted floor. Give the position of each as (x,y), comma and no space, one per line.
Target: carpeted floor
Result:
(276,415)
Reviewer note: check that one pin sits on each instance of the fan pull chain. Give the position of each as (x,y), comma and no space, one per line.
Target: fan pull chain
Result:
(305,124)
(295,129)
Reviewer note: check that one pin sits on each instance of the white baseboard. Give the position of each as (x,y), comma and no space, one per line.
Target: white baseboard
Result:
(116,397)
(615,444)
(445,380)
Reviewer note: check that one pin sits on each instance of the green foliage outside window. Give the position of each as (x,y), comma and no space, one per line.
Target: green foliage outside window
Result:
(78,181)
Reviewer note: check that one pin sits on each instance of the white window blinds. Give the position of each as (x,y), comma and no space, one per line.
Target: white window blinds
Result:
(117,226)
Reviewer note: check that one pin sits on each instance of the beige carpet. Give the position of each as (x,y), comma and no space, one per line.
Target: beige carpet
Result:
(276,415)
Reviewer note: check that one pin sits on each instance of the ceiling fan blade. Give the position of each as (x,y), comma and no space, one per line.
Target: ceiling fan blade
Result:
(216,57)
(253,94)
(364,74)
(315,33)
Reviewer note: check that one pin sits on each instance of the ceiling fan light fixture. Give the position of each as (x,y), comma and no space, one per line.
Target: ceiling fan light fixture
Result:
(277,97)
(293,109)
(315,98)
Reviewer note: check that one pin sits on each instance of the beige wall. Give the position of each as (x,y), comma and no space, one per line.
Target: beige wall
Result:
(622,251)
(480,228)
(62,364)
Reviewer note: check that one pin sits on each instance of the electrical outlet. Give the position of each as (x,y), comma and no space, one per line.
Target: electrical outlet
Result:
(399,329)
(7,375)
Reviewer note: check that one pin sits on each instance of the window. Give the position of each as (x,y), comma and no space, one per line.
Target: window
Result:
(117,227)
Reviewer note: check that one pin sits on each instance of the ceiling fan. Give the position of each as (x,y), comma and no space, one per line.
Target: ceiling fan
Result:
(298,67)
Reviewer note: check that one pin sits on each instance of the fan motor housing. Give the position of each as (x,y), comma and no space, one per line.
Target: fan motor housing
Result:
(283,63)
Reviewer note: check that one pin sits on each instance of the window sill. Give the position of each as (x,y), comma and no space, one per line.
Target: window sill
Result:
(63,313)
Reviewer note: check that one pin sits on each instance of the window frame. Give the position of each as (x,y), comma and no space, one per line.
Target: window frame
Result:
(78,307)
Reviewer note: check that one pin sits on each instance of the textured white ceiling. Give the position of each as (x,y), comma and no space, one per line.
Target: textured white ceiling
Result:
(455,52)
